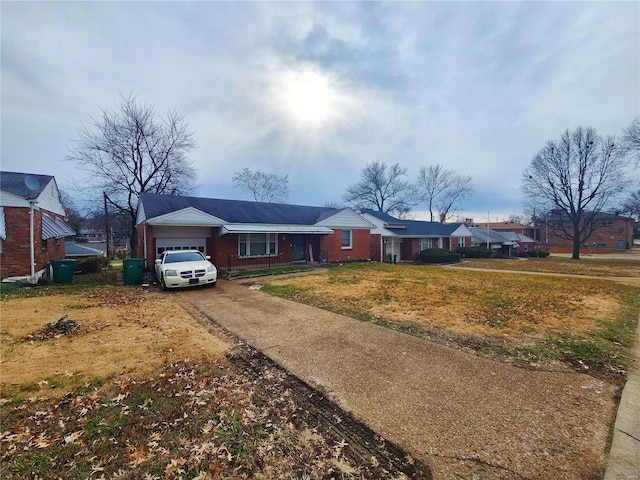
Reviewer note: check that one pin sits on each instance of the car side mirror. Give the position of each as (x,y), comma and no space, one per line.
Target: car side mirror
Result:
(208,257)
(158,261)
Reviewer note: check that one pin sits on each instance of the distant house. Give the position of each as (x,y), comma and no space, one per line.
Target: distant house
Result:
(76,251)
(505,242)
(402,240)
(506,226)
(234,232)
(32,225)
(611,232)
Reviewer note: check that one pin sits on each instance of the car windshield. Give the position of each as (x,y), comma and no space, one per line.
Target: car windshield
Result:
(183,257)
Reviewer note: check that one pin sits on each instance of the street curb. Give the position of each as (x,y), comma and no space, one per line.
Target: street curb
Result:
(624,457)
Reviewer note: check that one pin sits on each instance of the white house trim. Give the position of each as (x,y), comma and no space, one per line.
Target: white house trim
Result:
(265,228)
(346,218)
(189,216)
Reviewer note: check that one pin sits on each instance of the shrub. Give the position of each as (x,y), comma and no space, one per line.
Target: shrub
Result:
(437,255)
(92,264)
(538,254)
(474,252)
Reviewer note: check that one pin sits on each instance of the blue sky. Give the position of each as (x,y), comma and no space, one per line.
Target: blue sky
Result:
(316,91)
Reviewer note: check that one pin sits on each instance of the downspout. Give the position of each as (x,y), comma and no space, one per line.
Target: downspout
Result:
(144,238)
(32,259)
(381,249)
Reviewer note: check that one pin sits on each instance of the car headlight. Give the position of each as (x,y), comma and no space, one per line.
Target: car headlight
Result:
(211,269)
(170,273)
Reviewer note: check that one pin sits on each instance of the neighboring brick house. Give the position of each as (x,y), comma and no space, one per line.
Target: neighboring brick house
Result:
(24,197)
(402,240)
(611,233)
(241,230)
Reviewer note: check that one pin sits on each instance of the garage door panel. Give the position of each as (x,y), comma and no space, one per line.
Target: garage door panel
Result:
(194,243)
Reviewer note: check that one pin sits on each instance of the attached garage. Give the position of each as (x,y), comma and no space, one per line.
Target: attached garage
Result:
(181,238)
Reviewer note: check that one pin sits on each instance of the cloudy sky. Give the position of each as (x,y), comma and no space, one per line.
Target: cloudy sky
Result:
(316,91)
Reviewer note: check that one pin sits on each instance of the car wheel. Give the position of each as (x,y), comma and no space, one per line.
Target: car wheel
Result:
(163,286)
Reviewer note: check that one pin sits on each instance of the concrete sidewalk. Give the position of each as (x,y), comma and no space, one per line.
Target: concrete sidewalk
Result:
(463,415)
(624,458)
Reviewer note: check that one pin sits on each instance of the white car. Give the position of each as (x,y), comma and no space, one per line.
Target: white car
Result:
(184,268)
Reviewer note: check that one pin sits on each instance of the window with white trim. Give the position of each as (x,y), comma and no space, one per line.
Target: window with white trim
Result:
(347,239)
(461,242)
(257,244)
(425,243)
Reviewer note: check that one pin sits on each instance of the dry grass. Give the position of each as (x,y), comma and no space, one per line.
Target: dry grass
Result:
(122,382)
(585,266)
(540,316)
(121,332)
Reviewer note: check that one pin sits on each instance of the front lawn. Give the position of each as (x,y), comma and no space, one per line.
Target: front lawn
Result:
(535,321)
(585,266)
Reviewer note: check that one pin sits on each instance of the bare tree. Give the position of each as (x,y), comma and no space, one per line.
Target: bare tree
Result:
(443,190)
(263,187)
(578,176)
(381,188)
(126,152)
(631,140)
(631,205)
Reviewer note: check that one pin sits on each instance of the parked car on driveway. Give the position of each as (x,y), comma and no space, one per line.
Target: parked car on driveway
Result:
(184,268)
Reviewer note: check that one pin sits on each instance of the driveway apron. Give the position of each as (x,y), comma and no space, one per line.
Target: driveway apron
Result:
(465,416)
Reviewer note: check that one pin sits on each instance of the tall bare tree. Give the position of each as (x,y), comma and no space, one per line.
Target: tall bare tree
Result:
(631,140)
(443,190)
(381,188)
(263,187)
(127,151)
(578,176)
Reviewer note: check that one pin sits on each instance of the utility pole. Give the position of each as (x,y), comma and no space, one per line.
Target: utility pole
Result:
(106,219)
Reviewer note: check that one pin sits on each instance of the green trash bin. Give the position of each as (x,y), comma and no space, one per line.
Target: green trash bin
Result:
(63,270)
(133,270)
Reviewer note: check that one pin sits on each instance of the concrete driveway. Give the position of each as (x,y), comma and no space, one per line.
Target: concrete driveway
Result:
(465,416)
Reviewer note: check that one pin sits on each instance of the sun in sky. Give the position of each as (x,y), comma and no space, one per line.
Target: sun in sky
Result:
(308,98)
(309,102)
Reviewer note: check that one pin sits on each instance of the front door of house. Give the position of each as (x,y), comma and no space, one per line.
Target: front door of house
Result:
(620,244)
(298,248)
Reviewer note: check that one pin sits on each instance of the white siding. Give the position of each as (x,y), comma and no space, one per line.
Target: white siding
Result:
(49,199)
(346,218)
(160,231)
(10,200)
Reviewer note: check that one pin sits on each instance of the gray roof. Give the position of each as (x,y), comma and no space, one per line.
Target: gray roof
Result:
(72,249)
(414,228)
(482,234)
(236,211)
(14,182)
(55,228)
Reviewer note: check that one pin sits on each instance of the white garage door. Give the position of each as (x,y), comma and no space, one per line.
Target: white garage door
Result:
(174,243)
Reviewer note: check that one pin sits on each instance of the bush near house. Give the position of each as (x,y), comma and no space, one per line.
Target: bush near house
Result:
(538,253)
(92,264)
(474,252)
(437,255)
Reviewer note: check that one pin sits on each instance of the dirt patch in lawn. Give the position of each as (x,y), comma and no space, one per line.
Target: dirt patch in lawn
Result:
(540,321)
(116,332)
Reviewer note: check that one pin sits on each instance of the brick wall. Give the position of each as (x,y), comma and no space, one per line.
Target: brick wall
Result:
(374,242)
(15,258)
(220,247)
(604,238)
(361,246)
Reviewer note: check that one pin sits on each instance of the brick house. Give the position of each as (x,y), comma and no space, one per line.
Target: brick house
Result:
(32,225)
(402,240)
(611,232)
(237,232)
